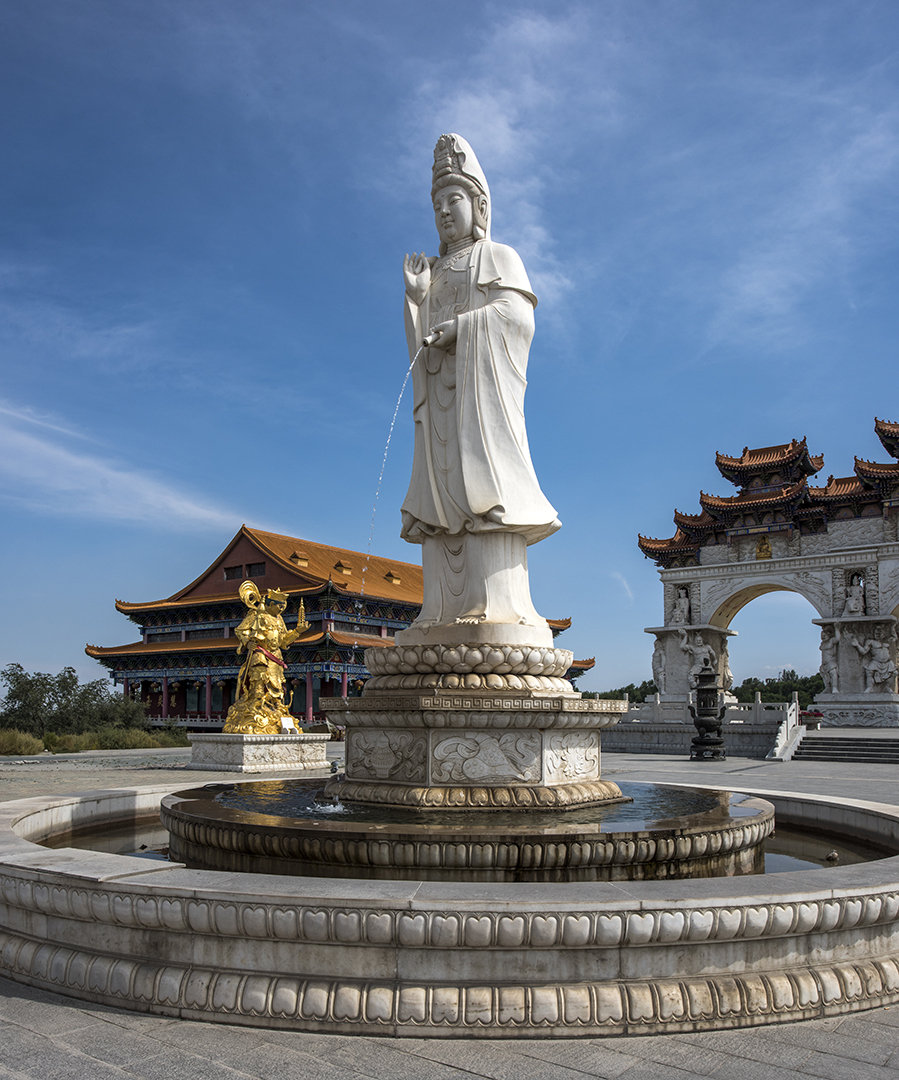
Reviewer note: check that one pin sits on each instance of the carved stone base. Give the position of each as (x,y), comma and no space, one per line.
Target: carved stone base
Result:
(858,710)
(469,666)
(724,839)
(470,681)
(388,959)
(463,750)
(494,797)
(257,753)
(461,659)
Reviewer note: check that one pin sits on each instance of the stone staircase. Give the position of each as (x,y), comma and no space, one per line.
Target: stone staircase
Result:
(879,748)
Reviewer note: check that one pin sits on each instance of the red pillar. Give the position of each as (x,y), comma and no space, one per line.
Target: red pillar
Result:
(308,697)
(343,686)
(165,697)
(126,688)
(208,697)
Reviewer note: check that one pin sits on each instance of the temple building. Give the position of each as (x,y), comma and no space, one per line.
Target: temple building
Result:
(185,665)
(836,544)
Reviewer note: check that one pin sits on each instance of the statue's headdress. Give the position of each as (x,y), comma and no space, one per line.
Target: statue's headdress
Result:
(277,595)
(455,163)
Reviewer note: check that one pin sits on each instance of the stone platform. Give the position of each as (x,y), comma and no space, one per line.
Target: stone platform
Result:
(257,753)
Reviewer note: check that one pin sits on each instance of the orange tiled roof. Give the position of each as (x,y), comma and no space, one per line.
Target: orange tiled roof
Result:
(749,499)
(693,521)
(559,624)
(310,637)
(888,433)
(839,487)
(139,648)
(679,542)
(351,572)
(584,665)
(765,456)
(364,641)
(874,470)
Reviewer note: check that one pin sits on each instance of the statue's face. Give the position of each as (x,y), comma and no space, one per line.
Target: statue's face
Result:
(453,213)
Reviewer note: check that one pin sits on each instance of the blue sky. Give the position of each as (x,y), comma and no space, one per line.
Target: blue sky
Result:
(204,208)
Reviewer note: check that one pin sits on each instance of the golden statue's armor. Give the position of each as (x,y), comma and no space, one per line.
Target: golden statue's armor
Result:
(260,708)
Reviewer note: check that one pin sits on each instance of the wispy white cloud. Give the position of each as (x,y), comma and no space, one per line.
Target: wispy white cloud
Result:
(41,474)
(622,581)
(25,414)
(817,225)
(512,97)
(107,340)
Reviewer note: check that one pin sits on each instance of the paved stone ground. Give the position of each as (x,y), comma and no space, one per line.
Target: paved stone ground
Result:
(45,1036)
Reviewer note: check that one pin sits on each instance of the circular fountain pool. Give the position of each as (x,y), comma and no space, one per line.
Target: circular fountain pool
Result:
(288,827)
(448,958)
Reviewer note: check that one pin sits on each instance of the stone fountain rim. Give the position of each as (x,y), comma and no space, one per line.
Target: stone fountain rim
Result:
(444,959)
(746,808)
(17,852)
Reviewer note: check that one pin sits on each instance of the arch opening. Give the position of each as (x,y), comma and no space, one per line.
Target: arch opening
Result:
(775,634)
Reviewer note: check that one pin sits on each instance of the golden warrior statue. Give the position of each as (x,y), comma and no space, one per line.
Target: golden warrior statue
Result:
(260,708)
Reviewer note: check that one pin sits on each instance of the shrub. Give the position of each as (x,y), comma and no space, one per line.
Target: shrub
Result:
(171,737)
(38,703)
(115,738)
(17,742)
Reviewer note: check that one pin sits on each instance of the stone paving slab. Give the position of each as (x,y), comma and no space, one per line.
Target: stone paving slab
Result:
(45,1036)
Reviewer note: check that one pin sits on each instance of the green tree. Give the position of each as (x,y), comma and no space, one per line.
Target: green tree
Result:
(782,688)
(39,703)
(635,693)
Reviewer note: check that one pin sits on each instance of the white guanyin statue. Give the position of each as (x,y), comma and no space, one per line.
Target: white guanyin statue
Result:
(474,502)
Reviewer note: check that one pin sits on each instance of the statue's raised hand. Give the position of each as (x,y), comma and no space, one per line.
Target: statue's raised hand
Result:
(417,272)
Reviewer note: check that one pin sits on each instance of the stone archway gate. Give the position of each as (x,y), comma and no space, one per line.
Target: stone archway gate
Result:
(836,545)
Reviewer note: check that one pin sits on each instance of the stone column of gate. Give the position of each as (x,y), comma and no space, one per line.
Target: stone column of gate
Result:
(680,653)
(859,664)
(471,706)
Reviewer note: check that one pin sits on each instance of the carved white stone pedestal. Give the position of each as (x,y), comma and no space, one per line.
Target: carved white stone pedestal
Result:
(257,753)
(468,750)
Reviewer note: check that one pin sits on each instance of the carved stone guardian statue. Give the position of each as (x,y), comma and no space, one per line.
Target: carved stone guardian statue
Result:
(876,654)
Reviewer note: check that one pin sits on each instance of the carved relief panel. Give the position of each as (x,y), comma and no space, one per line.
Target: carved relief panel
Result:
(386,755)
(478,757)
(571,756)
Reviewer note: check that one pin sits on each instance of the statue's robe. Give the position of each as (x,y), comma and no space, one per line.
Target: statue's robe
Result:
(474,502)
(472,469)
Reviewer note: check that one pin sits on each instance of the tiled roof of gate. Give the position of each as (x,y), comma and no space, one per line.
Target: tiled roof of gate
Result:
(875,470)
(839,487)
(747,499)
(761,457)
(672,545)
